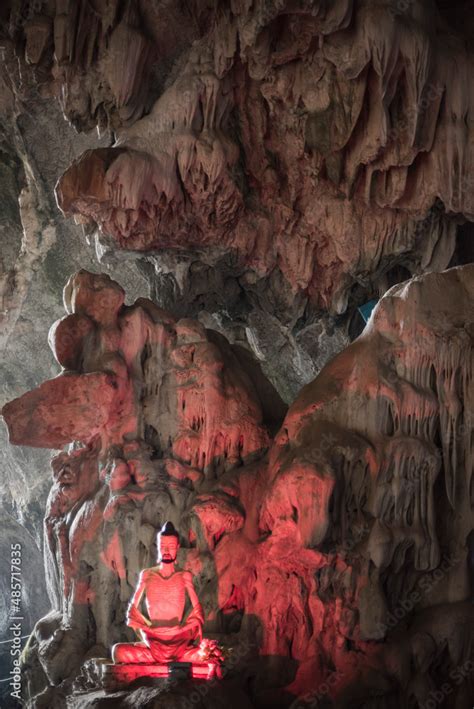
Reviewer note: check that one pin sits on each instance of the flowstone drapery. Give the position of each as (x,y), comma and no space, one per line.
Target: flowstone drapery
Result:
(261,131)
(335,559)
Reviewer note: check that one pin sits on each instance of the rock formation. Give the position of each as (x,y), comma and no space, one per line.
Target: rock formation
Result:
(273,162)
(250,173)
(337,556)
(350,103)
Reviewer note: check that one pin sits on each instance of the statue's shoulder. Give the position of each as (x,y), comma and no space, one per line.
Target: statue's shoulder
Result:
(187,576)
(145,573)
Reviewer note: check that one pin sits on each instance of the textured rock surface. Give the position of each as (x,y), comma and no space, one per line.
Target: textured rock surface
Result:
(284,128)
(39,250)
(274,161)
(338,565)
(262,168)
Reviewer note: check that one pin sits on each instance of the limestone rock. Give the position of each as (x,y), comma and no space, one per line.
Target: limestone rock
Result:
(340,560)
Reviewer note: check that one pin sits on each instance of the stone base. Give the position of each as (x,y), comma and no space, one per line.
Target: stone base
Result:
(114,676)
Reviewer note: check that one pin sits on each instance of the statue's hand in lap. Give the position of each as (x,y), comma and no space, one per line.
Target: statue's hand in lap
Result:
(137,620)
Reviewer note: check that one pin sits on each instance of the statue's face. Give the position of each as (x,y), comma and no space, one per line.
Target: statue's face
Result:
(167,549)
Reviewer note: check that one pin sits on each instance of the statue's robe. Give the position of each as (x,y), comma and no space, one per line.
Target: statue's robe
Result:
(169,638)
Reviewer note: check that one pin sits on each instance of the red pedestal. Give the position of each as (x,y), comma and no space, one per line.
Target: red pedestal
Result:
(114,675)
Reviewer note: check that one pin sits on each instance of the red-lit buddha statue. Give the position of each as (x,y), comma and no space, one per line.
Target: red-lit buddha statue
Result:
(166,636)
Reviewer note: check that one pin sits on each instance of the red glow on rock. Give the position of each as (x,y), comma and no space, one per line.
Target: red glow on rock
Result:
(112,556)
(127,673)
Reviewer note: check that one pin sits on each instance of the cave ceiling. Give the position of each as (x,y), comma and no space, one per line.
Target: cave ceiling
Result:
(199,202)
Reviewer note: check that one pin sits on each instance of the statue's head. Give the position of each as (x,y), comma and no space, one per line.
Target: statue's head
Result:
(168,543)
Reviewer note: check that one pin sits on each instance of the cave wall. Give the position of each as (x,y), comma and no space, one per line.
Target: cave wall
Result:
(237,139)
(39,252)
(304,546)
(260,170)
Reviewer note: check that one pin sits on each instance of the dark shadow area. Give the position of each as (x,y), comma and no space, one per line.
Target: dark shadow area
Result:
(464,251)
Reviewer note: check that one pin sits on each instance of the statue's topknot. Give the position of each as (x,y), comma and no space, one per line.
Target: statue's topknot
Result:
(168,530)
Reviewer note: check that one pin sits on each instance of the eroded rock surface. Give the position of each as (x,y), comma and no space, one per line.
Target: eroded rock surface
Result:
(274,165)
(260,170)
(338,564)
(285,127)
